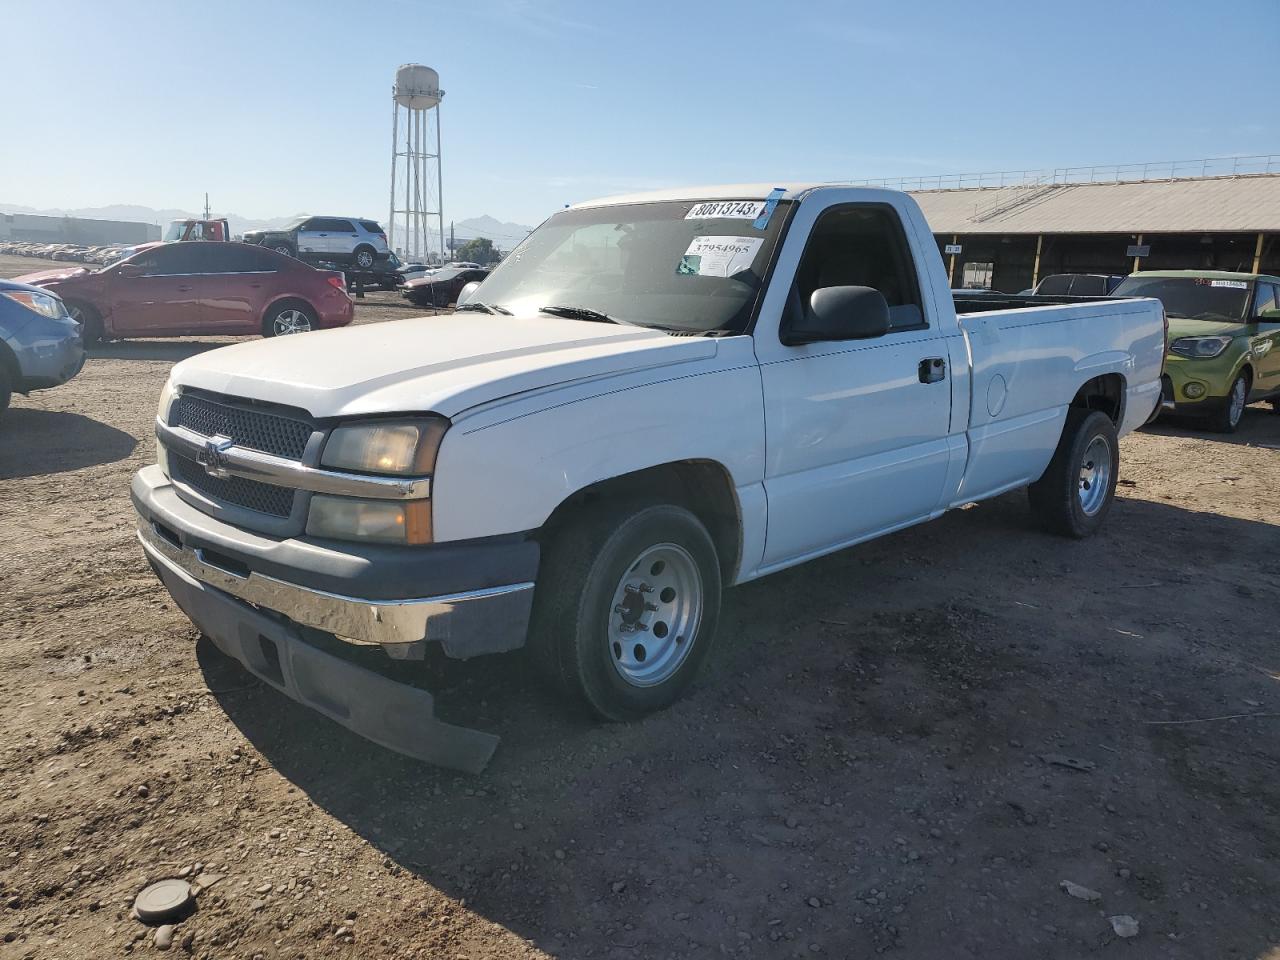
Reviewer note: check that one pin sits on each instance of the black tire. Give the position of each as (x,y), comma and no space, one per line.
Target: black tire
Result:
(6,388)
(363,258)
(583,567)
(1062,500)
(90,321)
(1227,418)
(278,319)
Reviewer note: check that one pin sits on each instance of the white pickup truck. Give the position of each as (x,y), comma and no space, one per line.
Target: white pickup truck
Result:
(652,398)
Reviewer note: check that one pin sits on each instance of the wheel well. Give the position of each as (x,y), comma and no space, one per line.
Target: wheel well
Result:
(701,486)
(283,302)
(1105,393)
(9,365)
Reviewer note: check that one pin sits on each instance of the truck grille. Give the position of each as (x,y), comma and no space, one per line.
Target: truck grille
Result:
(266,432)
(249,494)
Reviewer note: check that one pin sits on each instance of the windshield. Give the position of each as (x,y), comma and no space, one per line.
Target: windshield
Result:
(1193,298)
(681,265)
(175,231)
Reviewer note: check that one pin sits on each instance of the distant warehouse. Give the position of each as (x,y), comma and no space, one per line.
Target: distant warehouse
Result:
(90,233)
(1007,230)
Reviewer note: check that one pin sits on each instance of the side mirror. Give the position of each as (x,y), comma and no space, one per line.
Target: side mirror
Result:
(129,270)
(840,313)
(468,291)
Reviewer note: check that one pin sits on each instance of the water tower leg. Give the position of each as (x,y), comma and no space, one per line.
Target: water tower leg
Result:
(391,211)
(439,185)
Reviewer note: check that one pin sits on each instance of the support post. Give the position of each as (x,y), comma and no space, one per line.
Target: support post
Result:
(1257,254)
(951,270)
(440,185)
(1035,269)
(395,151)
(1137,261)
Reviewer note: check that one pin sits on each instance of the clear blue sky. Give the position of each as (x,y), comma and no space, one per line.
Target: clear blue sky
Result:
(281,106)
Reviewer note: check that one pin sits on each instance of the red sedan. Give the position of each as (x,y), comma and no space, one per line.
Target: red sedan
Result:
(201,289)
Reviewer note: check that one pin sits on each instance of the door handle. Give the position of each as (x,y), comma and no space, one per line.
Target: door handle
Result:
(932,370)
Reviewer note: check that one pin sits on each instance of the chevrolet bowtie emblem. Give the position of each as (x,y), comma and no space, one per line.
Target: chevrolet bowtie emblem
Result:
(213,456)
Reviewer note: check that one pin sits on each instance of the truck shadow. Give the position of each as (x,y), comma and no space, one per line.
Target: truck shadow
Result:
(873,724)
(37,442)
(1259,425)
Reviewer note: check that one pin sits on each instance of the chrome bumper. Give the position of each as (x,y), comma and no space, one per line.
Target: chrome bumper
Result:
(400,627)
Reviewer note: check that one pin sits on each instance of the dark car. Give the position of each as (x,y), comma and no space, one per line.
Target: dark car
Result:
(347,240)
(442,287)
(1077,285)
(40,343)
(196,289)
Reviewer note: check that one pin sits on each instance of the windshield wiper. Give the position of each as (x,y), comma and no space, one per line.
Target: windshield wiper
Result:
(581,313)
(486,307)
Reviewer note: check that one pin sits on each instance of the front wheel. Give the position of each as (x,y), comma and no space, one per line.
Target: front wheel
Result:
(283,248)
(364,258)
(89,320)
(1227,419)
(288,318)
(627,607)
(1075,493)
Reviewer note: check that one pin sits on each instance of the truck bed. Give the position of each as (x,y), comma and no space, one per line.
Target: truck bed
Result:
(980,301)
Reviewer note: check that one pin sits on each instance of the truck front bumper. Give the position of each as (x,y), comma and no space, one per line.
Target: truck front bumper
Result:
(257,598)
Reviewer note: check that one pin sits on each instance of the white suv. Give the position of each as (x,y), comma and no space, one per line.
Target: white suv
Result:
(340,239)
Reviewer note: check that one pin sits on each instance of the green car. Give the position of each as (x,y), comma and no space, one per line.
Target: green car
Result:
(1224,340)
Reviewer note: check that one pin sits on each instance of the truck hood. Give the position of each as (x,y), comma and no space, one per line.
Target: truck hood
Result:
(1182,327)
(51,276)
(442,365)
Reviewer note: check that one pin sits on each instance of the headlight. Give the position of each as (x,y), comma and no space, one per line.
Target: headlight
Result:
(1199,348)
(386,446)
(44,304)
(385,521)
(168,394)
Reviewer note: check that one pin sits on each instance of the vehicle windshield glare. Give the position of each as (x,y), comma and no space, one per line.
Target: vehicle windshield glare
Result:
(655,264)
(1195,298)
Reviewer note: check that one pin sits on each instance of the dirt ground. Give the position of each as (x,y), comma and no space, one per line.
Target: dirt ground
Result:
(903,748)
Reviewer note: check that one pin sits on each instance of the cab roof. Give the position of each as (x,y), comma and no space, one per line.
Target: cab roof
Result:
(726,191)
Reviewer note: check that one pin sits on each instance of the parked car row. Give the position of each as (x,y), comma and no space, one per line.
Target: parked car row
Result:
(107,253)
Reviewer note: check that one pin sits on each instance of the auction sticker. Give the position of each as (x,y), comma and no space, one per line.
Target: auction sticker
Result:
(1230,284)
(718,256)
(726,210)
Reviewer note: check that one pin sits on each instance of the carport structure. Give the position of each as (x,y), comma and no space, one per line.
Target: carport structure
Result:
(1007,230)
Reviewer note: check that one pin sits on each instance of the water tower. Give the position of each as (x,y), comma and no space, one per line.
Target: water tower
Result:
(417,184)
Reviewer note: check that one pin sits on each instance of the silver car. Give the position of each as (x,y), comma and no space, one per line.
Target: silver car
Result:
(336,239)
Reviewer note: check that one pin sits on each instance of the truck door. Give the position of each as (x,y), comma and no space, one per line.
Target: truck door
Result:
(1264,341)
(857,431)
(313,237)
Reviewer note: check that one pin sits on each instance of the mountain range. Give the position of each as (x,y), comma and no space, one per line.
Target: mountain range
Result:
(504,235)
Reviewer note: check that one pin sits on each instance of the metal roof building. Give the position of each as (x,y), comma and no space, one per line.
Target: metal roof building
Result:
(1007,230)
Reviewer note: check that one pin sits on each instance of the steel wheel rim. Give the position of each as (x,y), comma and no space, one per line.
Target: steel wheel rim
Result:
(1095,476)
(291,321)
(655,615)
(1237,400)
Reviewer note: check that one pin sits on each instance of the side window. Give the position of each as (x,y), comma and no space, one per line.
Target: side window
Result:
(331,225)
(1264,299)
(862,245)
(168,260)
(232,258)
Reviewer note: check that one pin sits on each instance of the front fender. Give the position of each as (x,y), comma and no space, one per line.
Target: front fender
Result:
(505,470)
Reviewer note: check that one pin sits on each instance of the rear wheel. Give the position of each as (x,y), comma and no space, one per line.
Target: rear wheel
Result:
(363,258)
(287,318)
(89,319)
(1075,493)
(627,607)
(1227,419)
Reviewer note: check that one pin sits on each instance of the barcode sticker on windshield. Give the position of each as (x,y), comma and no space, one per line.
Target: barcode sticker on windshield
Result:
(718,256)
(726,210)
(1230,284)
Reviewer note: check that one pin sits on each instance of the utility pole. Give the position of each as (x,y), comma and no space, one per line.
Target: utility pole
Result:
(206,205)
